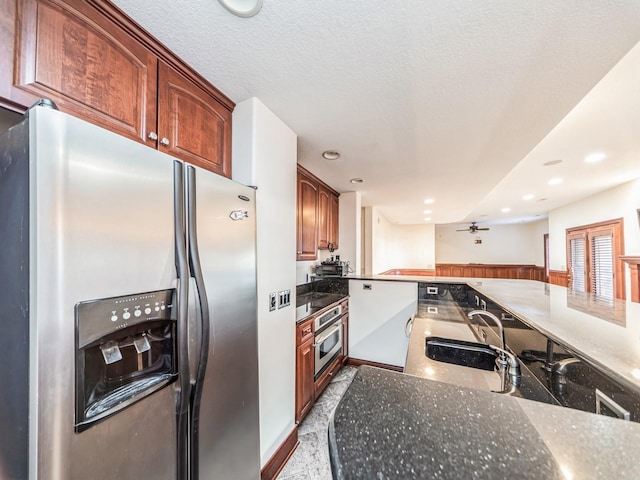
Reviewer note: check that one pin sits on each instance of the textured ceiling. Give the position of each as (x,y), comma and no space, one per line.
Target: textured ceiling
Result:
(436,99)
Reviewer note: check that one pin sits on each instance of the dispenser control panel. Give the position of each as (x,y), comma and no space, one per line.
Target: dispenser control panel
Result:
(97,318)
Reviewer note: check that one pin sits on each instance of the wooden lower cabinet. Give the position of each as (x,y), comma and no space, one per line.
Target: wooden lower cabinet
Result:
(345,332)
(305,388)
(309,389)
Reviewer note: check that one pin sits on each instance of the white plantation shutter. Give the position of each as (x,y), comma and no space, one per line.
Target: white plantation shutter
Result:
(602,265)
(577,263)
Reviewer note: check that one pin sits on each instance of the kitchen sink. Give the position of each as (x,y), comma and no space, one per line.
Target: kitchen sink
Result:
(460,352)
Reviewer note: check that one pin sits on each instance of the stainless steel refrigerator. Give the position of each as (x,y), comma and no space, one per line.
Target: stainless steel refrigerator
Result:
(128,342)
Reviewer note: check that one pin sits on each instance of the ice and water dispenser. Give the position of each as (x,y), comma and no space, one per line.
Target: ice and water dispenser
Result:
(125,351)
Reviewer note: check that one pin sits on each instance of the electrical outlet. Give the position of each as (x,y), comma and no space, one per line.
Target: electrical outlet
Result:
(284,298)
(272,301)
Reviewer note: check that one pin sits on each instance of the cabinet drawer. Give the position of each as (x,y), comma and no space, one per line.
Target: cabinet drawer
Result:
(304,331)
(326,377)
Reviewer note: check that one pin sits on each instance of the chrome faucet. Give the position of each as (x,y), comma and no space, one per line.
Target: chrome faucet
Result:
(496,320)
(506,358)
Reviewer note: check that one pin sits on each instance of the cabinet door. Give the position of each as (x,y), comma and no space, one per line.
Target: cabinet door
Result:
(328,217)
(334,217)
(305,388)
(192,124)
(345,337)
(324,212)
(307,221)
(68,52)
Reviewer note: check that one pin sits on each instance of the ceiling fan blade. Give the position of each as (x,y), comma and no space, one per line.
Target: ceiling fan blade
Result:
(483,228)
(463,230)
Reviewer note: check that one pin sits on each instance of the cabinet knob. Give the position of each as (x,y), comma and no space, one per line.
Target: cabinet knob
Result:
(164,142)
(153,136)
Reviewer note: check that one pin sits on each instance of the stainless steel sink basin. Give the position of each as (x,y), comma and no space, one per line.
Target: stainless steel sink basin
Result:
(460,352)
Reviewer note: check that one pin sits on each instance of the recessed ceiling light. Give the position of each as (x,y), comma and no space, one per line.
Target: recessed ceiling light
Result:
(330,155)
(595,157)
(242,8)
(555,181)
(427,212)
(551,163)
(528,196)
(427,219)
(356,180)
(429,200)
(505,210)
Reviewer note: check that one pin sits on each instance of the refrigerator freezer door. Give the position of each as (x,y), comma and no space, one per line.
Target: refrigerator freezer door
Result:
(228,433)
(101,218)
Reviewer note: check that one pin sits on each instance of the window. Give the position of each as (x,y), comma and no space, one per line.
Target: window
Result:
(593,253)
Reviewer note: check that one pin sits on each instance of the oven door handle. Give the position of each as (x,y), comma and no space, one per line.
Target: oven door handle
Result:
(329,332)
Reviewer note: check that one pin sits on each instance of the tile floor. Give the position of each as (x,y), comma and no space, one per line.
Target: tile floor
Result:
(310,461)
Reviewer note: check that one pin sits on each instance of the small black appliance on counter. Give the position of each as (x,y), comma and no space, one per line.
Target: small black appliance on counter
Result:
(333,267)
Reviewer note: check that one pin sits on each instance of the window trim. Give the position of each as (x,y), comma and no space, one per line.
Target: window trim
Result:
(590,230)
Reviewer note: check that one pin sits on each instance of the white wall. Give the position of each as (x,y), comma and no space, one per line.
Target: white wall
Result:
(502,244)
(387,245)
(618,202)
(349,239)
(265,155)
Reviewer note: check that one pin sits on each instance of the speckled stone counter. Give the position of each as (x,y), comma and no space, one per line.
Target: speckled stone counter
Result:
(314,302)
(394,426)
(604,334)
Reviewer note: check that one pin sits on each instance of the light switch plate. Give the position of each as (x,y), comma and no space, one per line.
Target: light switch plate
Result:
(284,298)
(272,301)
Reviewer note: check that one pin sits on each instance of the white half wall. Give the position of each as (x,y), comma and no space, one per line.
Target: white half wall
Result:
(265,155)
(622,201)
(502,244)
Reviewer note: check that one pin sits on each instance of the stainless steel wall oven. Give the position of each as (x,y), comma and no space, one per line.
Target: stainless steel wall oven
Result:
(328,338)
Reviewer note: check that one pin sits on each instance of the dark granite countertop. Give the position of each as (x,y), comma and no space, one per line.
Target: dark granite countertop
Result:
(311,303)
(394,426)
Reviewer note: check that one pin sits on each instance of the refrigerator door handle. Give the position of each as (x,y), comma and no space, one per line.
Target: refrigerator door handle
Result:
(202,307)
(182,268)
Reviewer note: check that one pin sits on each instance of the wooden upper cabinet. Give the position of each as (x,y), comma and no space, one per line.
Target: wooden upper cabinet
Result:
(97,64)
(192,124)
(334,218)
(307,222)
(328,203)
(68,52)
(318,216)
(324,208)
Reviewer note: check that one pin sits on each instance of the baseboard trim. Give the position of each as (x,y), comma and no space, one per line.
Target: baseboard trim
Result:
(280,458)
(356,362)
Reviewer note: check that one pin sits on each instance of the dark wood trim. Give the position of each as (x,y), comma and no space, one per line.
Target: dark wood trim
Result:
(279,459)
(356,362)
(485,270)
(559,277)
(410,271)
(545,246)
(634,268)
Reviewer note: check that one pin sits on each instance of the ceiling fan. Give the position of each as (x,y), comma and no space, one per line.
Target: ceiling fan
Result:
(473,228)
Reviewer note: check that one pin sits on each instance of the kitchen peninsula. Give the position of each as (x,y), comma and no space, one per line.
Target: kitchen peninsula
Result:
(390,425)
